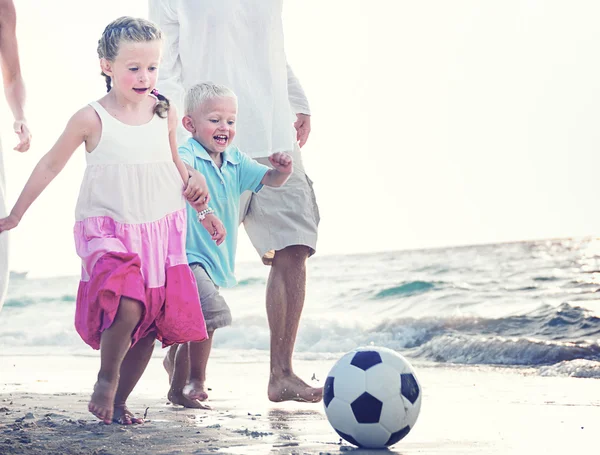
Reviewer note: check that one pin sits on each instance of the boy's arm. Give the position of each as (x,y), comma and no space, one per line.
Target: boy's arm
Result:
(75,133)
(282,164)
(206,216)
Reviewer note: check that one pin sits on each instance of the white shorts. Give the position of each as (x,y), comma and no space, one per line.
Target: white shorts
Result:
(276,218)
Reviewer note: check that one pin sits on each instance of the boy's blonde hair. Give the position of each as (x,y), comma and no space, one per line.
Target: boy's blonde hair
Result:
(199,94)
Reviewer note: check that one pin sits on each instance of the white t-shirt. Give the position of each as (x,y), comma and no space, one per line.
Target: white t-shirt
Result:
(237,43)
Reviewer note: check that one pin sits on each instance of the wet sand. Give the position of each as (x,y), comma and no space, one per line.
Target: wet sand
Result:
(466,410)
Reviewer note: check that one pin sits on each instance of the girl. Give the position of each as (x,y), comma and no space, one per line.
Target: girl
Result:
(136,285)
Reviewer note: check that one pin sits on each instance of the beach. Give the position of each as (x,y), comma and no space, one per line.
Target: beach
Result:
(466,410)
(503,338)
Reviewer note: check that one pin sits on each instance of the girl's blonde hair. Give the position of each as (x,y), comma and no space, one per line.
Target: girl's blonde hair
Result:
(199,94)
(134,30)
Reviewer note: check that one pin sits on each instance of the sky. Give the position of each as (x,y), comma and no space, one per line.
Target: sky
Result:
(435,123)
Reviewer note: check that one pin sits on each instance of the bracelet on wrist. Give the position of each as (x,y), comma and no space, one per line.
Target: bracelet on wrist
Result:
(202,213)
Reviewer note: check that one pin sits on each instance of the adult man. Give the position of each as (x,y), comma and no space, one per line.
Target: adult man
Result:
(239,43)
(14,91)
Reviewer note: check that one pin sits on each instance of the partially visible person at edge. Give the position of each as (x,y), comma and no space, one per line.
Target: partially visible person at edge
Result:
(239,44)
(14,91)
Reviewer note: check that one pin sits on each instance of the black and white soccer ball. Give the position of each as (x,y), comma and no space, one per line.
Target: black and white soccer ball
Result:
(372,397)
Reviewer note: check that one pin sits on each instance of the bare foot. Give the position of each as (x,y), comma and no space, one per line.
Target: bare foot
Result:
(177,397)
(124,416)
(101,403)
(169,362)
(292,388)
(194,390)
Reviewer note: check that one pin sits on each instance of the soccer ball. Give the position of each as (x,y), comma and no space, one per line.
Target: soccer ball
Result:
(372,397)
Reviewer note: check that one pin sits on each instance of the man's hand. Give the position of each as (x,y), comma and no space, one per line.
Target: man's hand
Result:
(215,228)
(282,162)
(8,223)
(196,191)
(22,130)
(302,126)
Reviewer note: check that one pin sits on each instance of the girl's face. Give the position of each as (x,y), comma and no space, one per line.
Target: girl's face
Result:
(213,124)
(135,69)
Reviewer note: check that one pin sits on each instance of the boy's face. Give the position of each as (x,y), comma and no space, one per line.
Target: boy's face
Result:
(213,124)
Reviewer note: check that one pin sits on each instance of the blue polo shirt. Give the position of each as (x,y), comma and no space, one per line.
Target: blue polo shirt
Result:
(238,173)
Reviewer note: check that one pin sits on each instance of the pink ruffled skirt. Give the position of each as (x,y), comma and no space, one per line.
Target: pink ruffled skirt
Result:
(144,262)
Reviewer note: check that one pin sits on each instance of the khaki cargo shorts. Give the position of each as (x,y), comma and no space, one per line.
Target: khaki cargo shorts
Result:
(275,218)
(215,309)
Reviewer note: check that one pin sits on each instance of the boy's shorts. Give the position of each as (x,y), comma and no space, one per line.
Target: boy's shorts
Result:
(276,218)
(215,309)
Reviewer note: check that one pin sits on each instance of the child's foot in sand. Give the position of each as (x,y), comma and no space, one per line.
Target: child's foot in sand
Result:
(292,388)
(194,390)
(101,403)
(124,416)
(177,397)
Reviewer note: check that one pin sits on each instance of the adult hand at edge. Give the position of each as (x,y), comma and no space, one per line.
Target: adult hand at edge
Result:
(302,125)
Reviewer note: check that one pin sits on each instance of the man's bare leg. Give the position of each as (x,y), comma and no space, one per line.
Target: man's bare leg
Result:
(286,289)
(132,368)
(114,344)
(199,354)
(179,380)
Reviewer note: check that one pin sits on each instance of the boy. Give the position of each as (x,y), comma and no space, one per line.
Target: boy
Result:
(210,114)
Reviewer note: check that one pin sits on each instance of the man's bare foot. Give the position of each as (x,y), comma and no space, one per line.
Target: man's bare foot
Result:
(124,416)
(292,388)
(194,390)
(169,362)
(101,403)
(177,397)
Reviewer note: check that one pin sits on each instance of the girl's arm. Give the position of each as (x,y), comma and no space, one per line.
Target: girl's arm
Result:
(196,189)
(50,165)
(172,118)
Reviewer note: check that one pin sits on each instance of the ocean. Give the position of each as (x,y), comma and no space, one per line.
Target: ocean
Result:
(527,305)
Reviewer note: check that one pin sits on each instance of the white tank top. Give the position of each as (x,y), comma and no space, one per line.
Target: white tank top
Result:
(130,176)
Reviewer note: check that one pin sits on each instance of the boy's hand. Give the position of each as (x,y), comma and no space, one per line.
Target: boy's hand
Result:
(214,227)
(196,190)
(8,223)
(282,162)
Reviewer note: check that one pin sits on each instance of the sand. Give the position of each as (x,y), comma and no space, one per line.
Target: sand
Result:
(466,410)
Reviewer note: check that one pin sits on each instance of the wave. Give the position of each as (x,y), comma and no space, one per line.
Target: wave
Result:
(22,302)
(545,336)
(505,351)
(578,368)
(405,289)
(251,281)
(565,322)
